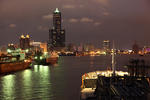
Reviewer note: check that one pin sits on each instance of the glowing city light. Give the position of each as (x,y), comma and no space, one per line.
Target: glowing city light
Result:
(9,51)
(41,57)
(57,11)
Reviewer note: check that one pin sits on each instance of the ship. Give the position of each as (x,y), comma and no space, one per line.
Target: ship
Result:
(114,85)
(89,82)
(9,63)
(53,58)
(46,58)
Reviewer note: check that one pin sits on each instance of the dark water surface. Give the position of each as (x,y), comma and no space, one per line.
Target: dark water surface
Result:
(58,82)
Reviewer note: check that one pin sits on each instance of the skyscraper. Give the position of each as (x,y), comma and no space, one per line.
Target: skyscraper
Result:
(57,34)
(25,42)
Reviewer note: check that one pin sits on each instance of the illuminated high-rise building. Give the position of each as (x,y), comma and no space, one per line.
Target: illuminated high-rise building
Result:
(106,45)
(25,42)
(57,34)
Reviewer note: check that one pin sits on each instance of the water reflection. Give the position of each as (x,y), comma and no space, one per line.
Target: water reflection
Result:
(41,68)
(8,88)
(26,84)
(42,84)
(27,77)
(91,61)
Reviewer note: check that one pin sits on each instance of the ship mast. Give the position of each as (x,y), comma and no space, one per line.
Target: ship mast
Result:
(113,60)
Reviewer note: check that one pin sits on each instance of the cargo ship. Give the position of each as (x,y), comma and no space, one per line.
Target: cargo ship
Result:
(7,67)
(9,63)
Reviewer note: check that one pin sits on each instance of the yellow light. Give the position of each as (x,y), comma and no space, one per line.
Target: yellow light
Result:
(45,53)
(26,60)
(27,36)
(22,36)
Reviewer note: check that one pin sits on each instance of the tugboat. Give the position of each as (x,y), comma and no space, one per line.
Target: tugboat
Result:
(40,58)
(9,63)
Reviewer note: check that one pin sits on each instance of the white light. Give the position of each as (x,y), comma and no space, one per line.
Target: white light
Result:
(8,50)
(35,57)
(41,57)
(57,11)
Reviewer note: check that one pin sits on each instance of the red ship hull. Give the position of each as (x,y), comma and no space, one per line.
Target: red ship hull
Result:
(8,67)
(52,60)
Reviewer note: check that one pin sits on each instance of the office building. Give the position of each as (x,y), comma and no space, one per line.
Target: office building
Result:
(106,45)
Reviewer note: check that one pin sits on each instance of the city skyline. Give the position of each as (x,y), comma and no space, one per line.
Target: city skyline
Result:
(90,21)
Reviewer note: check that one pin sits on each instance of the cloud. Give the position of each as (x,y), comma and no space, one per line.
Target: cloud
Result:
(42,28)
(50,16)
(86,19)
(103,2)
(68,6)
(81,6)
(106,13)
(97,23)
(73,20)
(12,25)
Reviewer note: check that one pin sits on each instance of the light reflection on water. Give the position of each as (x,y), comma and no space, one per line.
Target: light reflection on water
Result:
(30,84)
(8,88)
(42,86)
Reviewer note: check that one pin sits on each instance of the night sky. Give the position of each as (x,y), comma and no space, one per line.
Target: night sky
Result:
(85,21)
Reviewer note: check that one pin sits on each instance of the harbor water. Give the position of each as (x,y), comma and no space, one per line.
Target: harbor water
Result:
(56,82)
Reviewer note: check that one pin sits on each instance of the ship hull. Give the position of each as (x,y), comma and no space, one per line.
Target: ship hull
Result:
(47,61)
(52,60)
(13,66)
(40,62)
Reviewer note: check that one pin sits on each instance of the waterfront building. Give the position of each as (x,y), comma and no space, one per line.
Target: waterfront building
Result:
(106,45)
(43,46)
(3,49)
(146,50)
(38,46)
(25,42)
(70,47)
(57,34)
(135,48)
(11,47)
